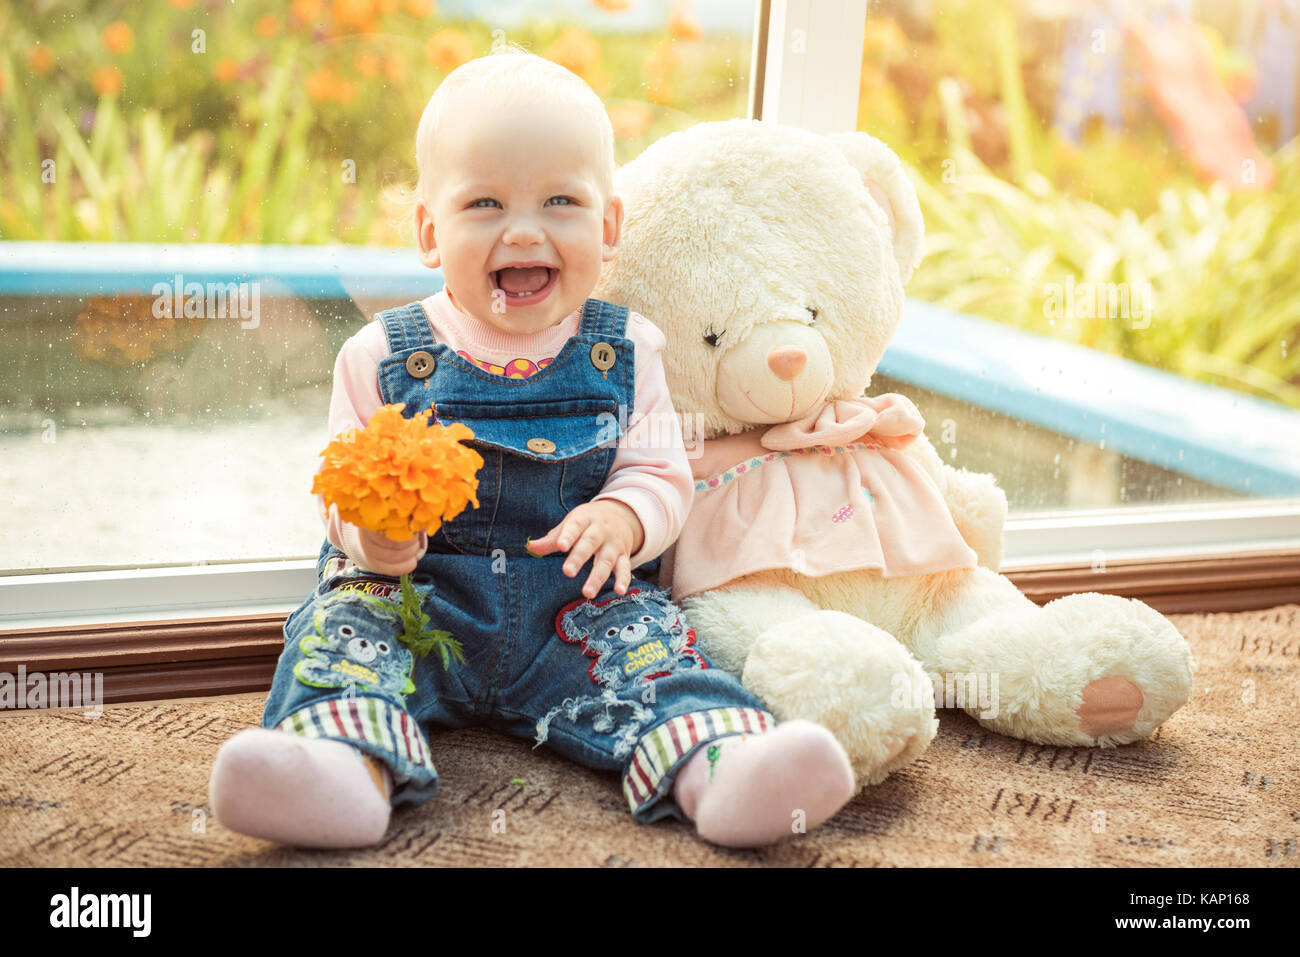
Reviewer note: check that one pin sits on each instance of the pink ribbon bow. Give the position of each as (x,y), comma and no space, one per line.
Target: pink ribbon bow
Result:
(890,420)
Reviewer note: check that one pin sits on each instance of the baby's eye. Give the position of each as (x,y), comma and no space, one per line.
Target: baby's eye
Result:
(477,202)
(564,200)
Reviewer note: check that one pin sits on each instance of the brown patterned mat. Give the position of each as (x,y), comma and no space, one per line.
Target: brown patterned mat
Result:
(1216,786)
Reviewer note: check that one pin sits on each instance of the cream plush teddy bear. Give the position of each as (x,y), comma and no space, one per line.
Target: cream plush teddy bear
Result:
(831,559)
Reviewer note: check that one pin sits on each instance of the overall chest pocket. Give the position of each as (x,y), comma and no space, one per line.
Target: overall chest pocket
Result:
(540,460)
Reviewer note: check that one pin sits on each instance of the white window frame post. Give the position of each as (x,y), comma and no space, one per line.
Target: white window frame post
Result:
(806,67)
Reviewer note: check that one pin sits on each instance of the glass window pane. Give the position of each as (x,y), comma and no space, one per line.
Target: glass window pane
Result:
(131,434)
(1072,187)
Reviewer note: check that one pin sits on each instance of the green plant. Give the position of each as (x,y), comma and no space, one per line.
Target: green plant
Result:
(414,623)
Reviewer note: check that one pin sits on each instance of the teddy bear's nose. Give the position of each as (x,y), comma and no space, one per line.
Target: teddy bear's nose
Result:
(787,361)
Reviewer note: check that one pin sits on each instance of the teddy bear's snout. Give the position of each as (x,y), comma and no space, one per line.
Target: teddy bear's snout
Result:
(787,362)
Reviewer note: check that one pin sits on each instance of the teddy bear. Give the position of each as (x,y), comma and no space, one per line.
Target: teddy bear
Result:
(831,559)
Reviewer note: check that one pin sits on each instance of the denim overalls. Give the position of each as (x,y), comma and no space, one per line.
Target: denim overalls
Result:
(612,682)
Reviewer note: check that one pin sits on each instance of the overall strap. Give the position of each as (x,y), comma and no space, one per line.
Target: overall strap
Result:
(603,319)
(407,327)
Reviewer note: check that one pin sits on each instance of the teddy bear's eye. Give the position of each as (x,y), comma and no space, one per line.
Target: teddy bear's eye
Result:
(812,313)
(711,338)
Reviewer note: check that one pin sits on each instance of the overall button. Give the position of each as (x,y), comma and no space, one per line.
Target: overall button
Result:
(541,446)
(420,364)
(602,356)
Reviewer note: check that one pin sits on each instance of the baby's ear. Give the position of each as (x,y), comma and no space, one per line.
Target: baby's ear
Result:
(883,175)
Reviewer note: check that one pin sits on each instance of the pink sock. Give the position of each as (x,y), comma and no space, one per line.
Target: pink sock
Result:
(308,792)
(761,787)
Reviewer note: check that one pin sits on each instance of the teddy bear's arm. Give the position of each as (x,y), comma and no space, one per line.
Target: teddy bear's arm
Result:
(978,506)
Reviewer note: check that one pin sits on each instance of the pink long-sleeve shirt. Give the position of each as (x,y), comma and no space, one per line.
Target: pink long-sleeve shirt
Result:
(650,474)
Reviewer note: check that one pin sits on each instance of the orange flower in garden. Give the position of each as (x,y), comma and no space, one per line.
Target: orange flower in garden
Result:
(268,25)
(40,59)
(356,16)
(306,11)
(394,67)
(345,91)
(661,94)
(400,476)
(448,49)
(630,119)
(575,49)
(419,8)
(367,64)
(320,85)
(117,37)
(226,70)
(614,6)
(107,81)
(682,24)
(181,4)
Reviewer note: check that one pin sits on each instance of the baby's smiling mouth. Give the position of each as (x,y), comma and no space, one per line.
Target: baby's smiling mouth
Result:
(523,280)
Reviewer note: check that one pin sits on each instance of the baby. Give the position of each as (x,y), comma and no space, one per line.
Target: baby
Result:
(582,480)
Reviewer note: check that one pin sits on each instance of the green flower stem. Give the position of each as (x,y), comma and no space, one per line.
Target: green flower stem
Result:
(414,627)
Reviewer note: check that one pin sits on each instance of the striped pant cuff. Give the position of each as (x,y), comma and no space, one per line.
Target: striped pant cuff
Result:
(662,748)
(375,721)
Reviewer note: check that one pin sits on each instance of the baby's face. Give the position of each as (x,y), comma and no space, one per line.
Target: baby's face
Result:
(518,223)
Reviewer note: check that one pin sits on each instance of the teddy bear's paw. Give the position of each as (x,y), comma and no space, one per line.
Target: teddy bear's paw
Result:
(854,679)
(1092,670)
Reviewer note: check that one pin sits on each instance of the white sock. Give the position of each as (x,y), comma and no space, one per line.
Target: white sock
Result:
(308,792)
(761,787)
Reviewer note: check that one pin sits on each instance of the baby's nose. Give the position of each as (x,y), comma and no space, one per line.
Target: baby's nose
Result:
(787,361)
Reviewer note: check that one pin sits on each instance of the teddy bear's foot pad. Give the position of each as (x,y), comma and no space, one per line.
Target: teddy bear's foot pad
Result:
(1111,704)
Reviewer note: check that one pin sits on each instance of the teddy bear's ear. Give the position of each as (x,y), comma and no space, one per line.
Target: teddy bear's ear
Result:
(882,174)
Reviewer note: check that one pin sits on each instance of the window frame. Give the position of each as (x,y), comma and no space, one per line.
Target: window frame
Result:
(216,630)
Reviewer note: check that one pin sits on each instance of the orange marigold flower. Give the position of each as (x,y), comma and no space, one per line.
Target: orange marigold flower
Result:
(345,91)
(683,25)
(357,16)
(117,37)
(40,59)
(630,119)
(399,475)
(614,6)
(320,85)
(386,8)
(448,49)
(663,59)
(107,81)
(227,69)
(660,94)
(267,25)
(575,49)
(419,8)
(306,11)
(181,4)
(367,64)
(394,67)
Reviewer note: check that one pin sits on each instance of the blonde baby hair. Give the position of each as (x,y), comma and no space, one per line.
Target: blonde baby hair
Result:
(513,74)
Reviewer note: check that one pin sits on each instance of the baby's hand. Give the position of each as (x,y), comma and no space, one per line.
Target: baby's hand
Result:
(383,555)
(607,529)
